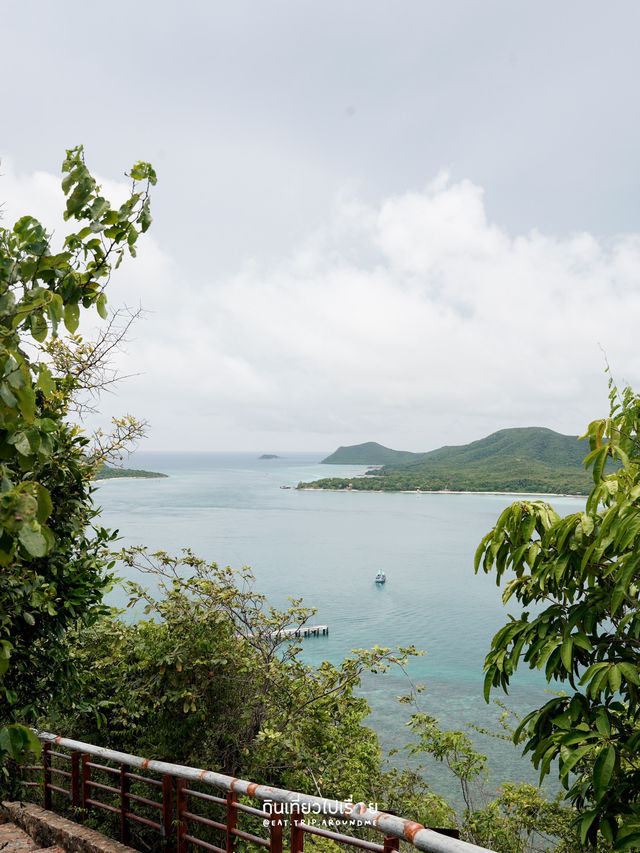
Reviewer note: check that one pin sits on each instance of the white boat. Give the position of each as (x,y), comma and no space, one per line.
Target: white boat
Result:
(381,577)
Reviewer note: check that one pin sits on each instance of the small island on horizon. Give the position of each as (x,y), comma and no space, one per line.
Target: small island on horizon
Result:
(270,456)
(532,460)
(106,472)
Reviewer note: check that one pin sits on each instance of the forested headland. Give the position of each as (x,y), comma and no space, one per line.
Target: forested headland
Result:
(109,472)
(524,460)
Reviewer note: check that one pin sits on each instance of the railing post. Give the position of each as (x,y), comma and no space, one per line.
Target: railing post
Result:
(232,819)
(46,767)
(75,781)
(181,807)
(124,804)
(167,812)
(297,833)
(86,789)
(391,843)
(275,833)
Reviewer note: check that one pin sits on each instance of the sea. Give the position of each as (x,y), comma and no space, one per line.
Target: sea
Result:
(326,547)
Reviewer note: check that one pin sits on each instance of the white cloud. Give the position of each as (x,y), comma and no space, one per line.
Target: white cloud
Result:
(416,322)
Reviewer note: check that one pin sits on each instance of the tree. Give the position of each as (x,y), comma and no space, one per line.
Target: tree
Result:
(579,579)
(210,677)
(520,818)
(55,564)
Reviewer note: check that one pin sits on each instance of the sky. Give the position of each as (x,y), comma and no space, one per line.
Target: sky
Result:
(413,223)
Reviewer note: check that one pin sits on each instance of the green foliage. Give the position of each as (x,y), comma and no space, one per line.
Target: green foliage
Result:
(106,472)
(579,577)
(520,818)
(530,459)
(209,678)
(55,566)
(369,453)
(405,792)
(452,747)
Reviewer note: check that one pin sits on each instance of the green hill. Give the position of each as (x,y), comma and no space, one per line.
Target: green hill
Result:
(521,444)
(527,459)
(369,453)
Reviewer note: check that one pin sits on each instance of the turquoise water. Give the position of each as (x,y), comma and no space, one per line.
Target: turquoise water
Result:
(327,547)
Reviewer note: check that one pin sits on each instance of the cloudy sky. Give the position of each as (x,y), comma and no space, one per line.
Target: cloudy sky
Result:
(411,222)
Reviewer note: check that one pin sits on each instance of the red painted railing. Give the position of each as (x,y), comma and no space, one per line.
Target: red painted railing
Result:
(172,806)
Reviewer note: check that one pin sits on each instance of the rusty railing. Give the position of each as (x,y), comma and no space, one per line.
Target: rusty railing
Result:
(85,778)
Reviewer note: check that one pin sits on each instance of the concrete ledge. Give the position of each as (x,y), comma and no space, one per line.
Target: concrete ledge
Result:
(50,830)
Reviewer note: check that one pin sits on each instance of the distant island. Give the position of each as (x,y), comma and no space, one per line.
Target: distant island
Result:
(523,459)
(106,472)
(269,456)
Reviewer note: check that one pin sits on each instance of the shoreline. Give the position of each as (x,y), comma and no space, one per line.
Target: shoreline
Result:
(111,479)
(441,492)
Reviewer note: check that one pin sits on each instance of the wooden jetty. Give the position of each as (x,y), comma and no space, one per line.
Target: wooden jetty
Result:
(303,631)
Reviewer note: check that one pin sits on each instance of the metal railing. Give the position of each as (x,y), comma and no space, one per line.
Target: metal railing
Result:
(172,813)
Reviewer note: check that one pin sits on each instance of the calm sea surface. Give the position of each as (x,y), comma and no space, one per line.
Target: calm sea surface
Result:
(327,547)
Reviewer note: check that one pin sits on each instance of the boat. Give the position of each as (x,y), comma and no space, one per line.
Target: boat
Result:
(381,577)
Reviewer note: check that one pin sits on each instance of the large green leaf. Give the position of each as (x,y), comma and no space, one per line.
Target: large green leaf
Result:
(32,539)
(72,316)
(602,770)
(18,741)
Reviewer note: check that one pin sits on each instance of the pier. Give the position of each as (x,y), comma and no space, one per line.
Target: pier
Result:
(303,631)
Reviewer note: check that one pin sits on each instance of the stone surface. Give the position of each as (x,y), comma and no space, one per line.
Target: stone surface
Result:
(44,830)
(15,840)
